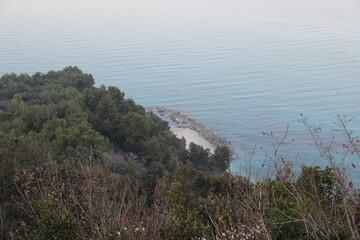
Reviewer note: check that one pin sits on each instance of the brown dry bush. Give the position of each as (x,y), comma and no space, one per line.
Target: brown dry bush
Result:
(105,205)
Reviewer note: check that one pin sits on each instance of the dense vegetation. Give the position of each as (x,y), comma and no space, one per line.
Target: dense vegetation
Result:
(81,162)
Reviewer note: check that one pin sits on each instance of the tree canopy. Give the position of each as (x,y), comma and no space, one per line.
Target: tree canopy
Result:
(83,162)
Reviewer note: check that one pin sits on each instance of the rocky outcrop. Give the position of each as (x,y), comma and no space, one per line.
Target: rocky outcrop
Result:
(183,121)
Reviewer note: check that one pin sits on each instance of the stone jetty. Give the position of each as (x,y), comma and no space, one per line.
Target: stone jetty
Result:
(183,121)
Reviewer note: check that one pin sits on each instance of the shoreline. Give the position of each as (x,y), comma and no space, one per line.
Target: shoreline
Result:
(192,136)
(185,122)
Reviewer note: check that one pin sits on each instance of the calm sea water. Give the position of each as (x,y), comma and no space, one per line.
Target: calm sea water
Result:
(238,66)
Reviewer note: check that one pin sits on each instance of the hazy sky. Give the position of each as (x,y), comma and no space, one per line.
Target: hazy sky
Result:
(86,11)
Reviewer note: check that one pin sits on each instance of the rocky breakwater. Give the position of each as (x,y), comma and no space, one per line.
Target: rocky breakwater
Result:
(183,121)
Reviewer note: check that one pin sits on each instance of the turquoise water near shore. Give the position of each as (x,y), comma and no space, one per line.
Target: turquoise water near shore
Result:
(239,67)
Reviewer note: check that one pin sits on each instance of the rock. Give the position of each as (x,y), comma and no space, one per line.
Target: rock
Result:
(183,121)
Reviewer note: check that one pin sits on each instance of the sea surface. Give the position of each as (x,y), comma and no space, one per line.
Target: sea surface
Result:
(241,67)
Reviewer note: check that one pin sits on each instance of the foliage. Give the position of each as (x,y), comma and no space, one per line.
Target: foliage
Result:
(60,116)
(52,223)
(199,156)
(220,159)
(84,162)
(182,222)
